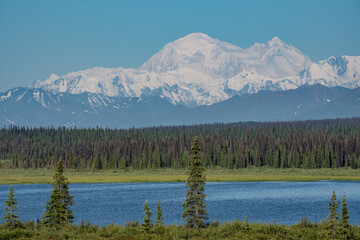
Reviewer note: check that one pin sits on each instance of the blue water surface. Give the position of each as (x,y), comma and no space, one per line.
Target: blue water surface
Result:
(281,202)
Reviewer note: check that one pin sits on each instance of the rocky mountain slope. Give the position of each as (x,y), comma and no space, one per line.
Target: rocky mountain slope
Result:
(37,107)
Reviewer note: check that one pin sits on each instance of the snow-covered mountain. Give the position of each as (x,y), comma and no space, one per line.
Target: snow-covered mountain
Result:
(199,70)
(202,53)
(334,71)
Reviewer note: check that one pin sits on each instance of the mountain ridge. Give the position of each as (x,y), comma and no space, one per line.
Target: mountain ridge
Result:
(199,70)
(37,107)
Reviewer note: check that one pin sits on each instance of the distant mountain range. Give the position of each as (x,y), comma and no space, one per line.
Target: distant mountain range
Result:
(38,107)
(195,79)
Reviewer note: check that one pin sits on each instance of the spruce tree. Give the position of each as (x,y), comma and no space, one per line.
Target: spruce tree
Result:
(246,225)
(159,215)
(195,205)
(147,223)
(11,217)
(57,211)
(54,215)
(333,218)
(344,221)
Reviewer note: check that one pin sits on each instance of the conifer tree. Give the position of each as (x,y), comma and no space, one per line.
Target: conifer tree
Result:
(276,162)
(195,205)
(11,217)
(57,211)
(159,215)
(147,223)
(333,218)
(246,226)
(344,221)
(283,157)
(122,164)
(54,215)
(97,163)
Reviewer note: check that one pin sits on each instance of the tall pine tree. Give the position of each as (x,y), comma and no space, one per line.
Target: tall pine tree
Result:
(159,215)
(147,223)
(195,205)
(346,230)
(333,218)
(11,217)
(57,211)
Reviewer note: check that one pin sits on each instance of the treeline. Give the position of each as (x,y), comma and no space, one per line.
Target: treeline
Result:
(302,144)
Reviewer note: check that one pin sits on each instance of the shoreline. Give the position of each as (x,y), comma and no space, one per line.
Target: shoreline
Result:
(42,176)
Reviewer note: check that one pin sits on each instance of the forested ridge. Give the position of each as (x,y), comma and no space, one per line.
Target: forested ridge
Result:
(301,144)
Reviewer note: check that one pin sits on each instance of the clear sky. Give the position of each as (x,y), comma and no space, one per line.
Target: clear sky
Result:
(38,38)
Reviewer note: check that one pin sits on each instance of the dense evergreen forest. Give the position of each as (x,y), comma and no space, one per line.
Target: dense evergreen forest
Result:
(302,144)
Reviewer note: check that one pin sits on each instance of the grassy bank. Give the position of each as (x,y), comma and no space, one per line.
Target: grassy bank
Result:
(233,230)
(22,176)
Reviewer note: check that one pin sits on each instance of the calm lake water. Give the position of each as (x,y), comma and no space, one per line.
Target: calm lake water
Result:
(282,202)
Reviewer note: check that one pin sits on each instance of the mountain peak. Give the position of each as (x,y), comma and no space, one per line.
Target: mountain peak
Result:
(275,41)
(198,35)
(202,52)
(195,41)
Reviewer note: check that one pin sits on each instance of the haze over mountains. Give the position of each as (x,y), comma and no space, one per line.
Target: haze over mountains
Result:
(192,80)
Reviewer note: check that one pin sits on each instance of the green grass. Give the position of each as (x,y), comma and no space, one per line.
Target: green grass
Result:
(22,176)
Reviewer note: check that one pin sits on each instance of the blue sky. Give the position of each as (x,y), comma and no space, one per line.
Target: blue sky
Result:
(38,38)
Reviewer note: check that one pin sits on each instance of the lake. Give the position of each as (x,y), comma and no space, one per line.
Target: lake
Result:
(281,202)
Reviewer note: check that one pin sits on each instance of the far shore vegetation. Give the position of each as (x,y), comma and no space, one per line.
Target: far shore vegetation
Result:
(248,151)
(281,145)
